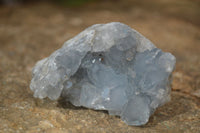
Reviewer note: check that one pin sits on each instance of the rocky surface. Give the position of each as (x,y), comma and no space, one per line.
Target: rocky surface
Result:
(45,28)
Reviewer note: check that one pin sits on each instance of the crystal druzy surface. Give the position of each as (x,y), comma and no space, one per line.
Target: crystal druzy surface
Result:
(107,67)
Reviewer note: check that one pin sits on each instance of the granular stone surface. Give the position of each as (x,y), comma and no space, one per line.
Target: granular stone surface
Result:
(31,32)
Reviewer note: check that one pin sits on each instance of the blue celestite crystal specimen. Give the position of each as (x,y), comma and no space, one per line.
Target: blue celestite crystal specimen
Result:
(108,67)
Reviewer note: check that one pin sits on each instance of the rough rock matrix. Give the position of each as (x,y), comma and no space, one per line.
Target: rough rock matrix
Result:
(108,67)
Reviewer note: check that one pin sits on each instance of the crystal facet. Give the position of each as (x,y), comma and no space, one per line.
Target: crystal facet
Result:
(108,67)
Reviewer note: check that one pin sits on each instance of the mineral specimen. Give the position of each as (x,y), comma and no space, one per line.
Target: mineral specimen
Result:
(107,67)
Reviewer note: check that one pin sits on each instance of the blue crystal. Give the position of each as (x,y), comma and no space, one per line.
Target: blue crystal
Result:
(108,67)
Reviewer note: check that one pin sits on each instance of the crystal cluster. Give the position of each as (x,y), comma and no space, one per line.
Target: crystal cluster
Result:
(107,67)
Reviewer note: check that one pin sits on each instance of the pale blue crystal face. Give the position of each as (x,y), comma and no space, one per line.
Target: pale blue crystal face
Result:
(108,67)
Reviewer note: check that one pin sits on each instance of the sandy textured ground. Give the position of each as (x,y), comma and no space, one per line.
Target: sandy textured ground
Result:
(31,32)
